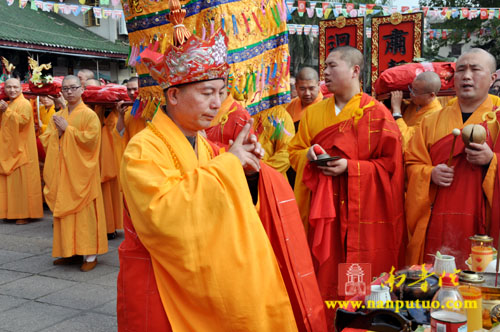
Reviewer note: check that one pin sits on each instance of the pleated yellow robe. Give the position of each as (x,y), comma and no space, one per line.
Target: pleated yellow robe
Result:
(132,127)
(20,187)
(212,260)
(111,193)
(73,184)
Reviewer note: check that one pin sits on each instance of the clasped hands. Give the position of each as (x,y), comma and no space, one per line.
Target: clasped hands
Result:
(247,148)
(61,123)
(477,154)
(333,168)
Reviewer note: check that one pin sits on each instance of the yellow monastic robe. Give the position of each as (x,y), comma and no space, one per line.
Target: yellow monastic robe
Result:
(318,117)
(73,184)
(421,191)
(20,187)
(132,127)
(275,130)
(295,107)
(413,117)
(45,116)
(111,193)
(212,260)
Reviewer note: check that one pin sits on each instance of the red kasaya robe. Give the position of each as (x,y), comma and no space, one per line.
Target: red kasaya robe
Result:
(365,223)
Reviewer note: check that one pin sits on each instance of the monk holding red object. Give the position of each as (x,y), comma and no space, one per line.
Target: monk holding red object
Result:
(446,205)
(364,223)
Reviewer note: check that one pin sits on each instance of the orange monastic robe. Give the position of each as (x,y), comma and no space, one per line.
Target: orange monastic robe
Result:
(111,194)
(356,217)
(296,110)
(133,125)
(413,117)
(45,116)
(462,205)
(275,130)
(20,188)
(212,260)
(73,184)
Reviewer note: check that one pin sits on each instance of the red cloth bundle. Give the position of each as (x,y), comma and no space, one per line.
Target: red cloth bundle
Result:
(48,89)
(399,77)
(105,94)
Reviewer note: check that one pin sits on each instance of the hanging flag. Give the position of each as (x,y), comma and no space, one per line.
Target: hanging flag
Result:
(104,2)
(292,29)
(106,12)
(300,28)
(85,9)
(307,29)
(302,7)
(10,2)
(39,4)
(464,13)
(338,9)
(312,4)
(319,12)
(33,5)
(325,5)
(310,12)
(404,9)
(483,13)
(117,14)
(349,7)
(327,12)
(315,30)
(426,10)
(353,13)
(444,34)
(23,3)
(76,10)
(97,12)
(362,10)
(115,2)
(491,14)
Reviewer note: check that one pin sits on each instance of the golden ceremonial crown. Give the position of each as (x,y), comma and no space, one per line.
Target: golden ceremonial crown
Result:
(190,58)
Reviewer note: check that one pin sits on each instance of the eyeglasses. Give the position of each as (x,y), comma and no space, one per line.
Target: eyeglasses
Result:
(72,88)
(413,92)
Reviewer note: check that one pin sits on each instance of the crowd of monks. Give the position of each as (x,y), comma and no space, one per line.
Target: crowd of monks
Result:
(397,188)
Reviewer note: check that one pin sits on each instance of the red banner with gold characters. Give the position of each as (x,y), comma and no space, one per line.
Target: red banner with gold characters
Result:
(339,32)
(396,39)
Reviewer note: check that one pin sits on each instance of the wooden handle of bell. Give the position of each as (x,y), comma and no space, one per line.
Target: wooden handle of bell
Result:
(456,133)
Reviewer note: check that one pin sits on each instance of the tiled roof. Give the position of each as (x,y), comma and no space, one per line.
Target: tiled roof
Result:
(50,31)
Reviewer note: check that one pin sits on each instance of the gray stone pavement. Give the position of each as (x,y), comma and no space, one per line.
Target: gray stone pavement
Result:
(35,295)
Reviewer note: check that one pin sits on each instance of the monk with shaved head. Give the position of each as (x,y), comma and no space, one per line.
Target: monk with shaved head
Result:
(72,180)
(20,188)
(307,89)
(84,75)
(352,203)
(423,92)
(464,193)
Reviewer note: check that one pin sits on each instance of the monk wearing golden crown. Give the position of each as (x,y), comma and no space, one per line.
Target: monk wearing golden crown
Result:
(190,210)
(20,188)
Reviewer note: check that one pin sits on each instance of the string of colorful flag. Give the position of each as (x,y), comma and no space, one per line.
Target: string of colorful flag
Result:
(313,30)
(68,9)
(325,9)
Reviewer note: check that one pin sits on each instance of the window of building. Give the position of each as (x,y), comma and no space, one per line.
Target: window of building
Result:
(89,18)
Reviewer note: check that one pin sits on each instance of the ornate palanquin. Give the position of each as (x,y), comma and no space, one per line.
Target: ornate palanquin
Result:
(341,31)
(396,39)
(257,48)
